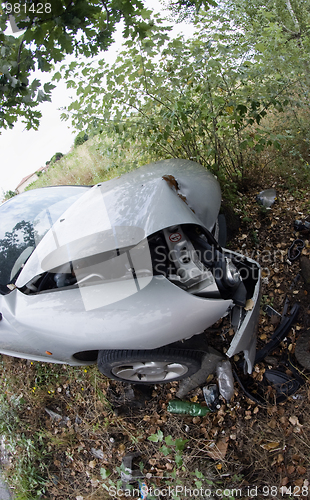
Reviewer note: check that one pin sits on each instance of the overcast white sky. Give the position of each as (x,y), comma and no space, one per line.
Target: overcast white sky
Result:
(22,152)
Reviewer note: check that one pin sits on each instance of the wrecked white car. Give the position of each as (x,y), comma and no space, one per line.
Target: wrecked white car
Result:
(121,273)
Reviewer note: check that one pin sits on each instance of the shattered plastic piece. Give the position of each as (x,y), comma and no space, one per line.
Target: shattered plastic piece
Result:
(187,408)
(301,226)
(225,379)
(97,453)
(129,475)
(270,311)
(53,415)
(267,197)
(280,332)
(58,418)
(211,395)
(295,249)
(284,384)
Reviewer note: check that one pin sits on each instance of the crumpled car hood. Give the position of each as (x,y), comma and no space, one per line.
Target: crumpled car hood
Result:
(120,213)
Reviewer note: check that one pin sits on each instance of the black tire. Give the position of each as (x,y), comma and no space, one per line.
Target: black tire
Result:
(155,366)
(302,349)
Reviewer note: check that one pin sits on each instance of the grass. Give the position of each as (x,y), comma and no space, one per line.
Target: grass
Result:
(97,160)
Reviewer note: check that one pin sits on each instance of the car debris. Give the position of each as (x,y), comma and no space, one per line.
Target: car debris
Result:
(225,379)
(294,251)
(267,197)
(130,474)
(302,226)
(211,395)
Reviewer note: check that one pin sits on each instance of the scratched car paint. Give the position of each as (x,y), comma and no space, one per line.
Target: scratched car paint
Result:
(121,273)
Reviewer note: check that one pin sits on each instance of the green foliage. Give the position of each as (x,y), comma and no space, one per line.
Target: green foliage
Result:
(30,468)
(171,446)
(9,194)
(102,159)
(57,156)
(155,438)
(49,33)
(206,98)
(80,139)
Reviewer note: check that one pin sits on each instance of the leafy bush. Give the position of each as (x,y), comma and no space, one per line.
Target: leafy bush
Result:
(80,139)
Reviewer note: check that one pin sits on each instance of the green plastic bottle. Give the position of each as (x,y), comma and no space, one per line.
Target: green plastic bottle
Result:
(187,408)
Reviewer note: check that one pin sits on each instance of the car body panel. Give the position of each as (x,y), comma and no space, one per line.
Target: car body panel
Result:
(158,314)
(244,339)
(116,302)
(138,204)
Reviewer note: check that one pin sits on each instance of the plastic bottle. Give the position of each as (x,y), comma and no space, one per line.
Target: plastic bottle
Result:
(225,379)
(187,408)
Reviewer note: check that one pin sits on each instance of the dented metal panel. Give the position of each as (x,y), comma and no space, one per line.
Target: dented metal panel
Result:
(121,212)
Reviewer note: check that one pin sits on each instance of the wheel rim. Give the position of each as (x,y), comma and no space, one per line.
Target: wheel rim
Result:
(150,371)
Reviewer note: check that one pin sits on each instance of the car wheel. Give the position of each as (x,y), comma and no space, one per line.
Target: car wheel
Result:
(149,366)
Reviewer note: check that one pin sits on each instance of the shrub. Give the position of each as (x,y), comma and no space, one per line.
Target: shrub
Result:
(80,139)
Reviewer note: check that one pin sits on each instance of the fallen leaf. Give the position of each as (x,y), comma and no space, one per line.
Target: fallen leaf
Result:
(294,420)
(219,449)
(92,464)
(299,482)
(271,445)
(301,470)
(290,469)
(249,305)
(272,424)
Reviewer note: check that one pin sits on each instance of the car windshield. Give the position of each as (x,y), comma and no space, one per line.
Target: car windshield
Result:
(24,220)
